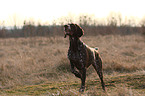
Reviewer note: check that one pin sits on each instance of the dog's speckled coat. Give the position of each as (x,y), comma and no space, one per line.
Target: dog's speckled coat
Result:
(82,56)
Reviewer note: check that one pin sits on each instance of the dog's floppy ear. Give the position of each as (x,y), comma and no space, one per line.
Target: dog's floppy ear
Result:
(79,31)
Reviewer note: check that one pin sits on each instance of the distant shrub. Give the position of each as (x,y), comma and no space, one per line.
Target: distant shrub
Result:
(143,30)
(2,32)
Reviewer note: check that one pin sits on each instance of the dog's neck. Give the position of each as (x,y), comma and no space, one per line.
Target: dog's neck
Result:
(74,43)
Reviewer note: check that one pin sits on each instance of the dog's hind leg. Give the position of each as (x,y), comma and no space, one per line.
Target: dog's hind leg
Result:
(98,67)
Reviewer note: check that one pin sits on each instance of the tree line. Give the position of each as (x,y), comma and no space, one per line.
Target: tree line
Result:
(91,26)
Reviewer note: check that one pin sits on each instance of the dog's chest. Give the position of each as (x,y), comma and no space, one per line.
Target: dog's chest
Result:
(75,56)
(78,56)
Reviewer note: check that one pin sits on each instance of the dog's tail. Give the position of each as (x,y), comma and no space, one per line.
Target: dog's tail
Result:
(96,48)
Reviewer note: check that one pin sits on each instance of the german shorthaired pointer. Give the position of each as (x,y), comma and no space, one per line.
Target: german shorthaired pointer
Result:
(82,56)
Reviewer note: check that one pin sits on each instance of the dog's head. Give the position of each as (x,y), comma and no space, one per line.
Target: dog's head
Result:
(73,30)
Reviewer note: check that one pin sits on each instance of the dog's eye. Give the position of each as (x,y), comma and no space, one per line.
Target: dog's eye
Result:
(65,26)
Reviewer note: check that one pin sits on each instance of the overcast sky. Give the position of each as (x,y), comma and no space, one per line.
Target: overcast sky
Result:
(47,10)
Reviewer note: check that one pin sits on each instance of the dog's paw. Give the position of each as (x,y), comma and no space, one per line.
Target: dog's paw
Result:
(82,89)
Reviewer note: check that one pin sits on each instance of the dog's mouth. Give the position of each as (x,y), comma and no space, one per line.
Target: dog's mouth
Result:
(67,30)
(65,34)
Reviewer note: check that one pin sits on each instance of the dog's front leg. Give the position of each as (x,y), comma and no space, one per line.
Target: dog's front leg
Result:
(76,73)
(83,78)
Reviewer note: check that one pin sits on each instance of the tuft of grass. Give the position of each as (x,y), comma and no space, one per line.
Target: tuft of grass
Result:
(63,65)
(120,67)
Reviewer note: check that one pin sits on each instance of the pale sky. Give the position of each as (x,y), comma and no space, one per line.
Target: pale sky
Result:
(47,10)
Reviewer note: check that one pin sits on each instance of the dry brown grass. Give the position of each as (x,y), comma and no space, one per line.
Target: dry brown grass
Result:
(28,61)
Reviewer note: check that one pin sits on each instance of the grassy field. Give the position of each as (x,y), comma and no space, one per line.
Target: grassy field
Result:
(39,66)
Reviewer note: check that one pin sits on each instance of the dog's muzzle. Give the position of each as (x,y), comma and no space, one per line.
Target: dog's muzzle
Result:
(67,30)
(65,34)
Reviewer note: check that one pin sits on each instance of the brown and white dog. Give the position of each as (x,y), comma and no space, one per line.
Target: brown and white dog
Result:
(82,56)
